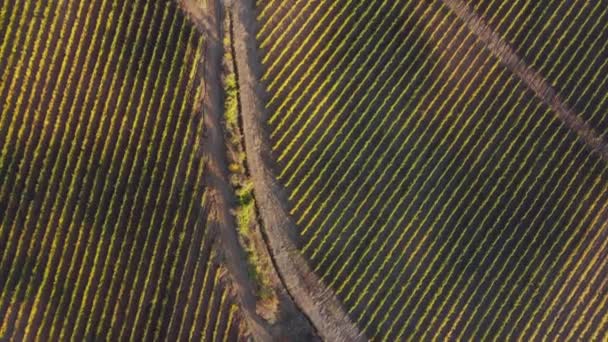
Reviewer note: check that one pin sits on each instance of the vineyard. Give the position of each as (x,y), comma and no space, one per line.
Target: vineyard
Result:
(105,230)
(566,42)
(435,192)
(444,165)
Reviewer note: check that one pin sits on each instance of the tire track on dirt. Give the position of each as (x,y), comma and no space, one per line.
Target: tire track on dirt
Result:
(532,78)
(291,325)
(220,193)
(317,301)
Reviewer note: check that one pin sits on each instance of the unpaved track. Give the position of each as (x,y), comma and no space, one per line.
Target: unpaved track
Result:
(220,193)
(291,324)
(532,78)
(312,297)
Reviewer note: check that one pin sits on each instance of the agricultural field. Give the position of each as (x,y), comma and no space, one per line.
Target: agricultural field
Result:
(444,164)
(434,191)
(566,41)
(105,231)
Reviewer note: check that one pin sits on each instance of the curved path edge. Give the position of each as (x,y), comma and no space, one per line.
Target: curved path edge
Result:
(219,190)
(311,296)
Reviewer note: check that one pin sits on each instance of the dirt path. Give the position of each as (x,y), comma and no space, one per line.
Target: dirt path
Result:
(220,193)
(291,324)
(533,79)
(312,297)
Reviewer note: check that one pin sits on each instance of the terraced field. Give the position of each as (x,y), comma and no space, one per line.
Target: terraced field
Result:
(105,232)
(435,192)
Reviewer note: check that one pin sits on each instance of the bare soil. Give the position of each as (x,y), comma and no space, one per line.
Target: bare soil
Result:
(291,324)
(312,297)
(213,147)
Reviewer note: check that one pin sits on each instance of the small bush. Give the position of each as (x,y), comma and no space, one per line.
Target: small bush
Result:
(234,168)
(231,102)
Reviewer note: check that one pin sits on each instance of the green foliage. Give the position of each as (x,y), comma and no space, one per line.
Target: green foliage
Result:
(244,213)
(231,111)
(245,209)
(3,328)
(2,16)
